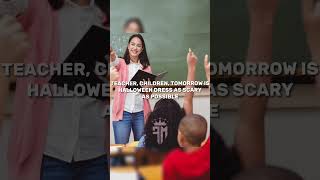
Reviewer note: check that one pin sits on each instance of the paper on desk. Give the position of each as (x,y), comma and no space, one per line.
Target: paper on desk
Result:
(114,149)
(124,175)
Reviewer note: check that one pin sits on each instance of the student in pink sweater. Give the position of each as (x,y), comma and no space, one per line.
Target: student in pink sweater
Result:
(129,110)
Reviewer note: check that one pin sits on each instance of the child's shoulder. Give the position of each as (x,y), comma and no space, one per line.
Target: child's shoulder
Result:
(172,157)
(176,153)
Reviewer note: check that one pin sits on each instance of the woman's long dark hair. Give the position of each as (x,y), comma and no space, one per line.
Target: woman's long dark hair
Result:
(104,5)
(144,60)
(170,111)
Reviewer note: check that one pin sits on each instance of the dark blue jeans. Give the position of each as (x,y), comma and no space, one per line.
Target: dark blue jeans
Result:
(122,128)
(93,169)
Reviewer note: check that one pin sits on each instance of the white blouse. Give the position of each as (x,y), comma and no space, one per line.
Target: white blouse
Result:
(133,101)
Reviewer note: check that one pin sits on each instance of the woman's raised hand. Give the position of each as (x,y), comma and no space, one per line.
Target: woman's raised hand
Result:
(113,55)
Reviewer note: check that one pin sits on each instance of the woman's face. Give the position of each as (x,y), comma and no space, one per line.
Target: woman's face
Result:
(135,47)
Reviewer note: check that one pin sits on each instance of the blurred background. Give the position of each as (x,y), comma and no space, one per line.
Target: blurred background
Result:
(291,122)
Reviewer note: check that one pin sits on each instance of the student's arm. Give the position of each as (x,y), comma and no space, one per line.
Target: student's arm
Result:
(311,14)
(188,98)
(250,137)
(207,67)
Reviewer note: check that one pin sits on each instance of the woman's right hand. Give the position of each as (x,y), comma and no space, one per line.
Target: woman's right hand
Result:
(113,55)
(14,43)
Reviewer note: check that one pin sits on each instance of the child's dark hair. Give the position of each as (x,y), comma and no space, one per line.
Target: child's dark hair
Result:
(134,20)
(144,60)
(170,111)
(104,5)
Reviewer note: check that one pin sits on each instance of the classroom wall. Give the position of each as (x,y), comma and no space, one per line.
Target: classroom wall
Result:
(292,138)
(165,16)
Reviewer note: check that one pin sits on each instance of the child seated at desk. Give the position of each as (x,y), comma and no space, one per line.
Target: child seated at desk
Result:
(193,162)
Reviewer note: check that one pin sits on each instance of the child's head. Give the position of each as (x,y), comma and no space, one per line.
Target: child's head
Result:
(192,131)
(133,25)
(163,137)
(137,49)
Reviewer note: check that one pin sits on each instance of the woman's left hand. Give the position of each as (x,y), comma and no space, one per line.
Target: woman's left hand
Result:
(147,86)
(147,83)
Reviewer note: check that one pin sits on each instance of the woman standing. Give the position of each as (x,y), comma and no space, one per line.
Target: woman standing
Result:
(130,110)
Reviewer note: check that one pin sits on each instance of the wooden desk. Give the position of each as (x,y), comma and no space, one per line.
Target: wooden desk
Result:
(123,169)
(151,172)
(121,149)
